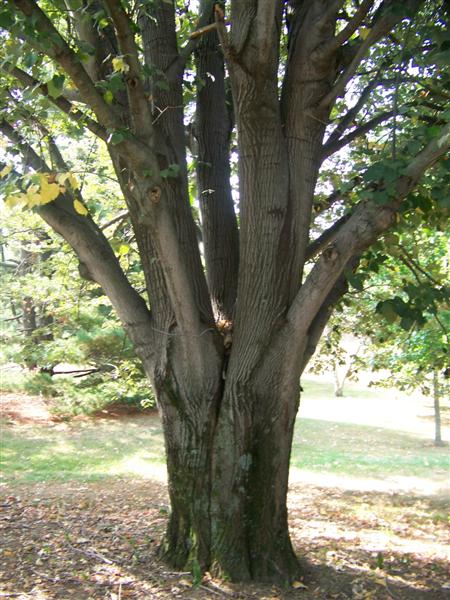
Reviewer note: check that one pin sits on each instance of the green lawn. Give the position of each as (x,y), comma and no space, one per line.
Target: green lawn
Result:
(82,451)
(364,451)
(133,447)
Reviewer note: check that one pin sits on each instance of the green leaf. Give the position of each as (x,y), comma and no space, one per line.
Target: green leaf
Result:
(116,138)
(55,85)
(30,59)
(387,311)
(406,323)
(172,170)
(6,19)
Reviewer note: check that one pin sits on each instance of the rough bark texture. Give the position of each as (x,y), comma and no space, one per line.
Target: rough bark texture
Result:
(224,343)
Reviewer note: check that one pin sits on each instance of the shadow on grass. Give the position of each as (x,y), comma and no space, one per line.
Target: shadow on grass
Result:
(82,451)
(92,450)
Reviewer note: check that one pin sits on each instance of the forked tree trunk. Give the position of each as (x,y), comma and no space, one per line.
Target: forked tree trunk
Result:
(228,455)
(228,480)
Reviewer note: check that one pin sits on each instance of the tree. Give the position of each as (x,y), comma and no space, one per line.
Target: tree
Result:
(411,336)
(224,351)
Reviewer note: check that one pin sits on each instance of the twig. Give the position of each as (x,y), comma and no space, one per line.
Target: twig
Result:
(92,554)
(203,30)
(120,217)
(217,591)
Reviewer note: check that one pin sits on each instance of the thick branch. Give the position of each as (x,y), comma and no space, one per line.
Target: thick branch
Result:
(96,257)
(365,225)
(31,158)
(175,70)
(384,22)
(350,115)
(325,238)
(140,108)
(266,16)
(213,127)
(324,313)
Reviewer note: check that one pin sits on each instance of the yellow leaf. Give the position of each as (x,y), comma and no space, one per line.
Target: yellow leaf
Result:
(49,191)
(73,181)
(6,170)
(364,32)
(33,199)
(299,585)
(80,208)
(15,199)
(61,178)
(119,65)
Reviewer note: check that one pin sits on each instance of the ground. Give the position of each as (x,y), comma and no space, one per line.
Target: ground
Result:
(83,510)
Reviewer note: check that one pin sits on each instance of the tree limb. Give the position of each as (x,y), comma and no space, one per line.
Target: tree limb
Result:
(368,221)
(175,70)
(139,105)
(331,148)
(61,102)
(344,35)
(323,314)
(325,238)
(96,256)
(121,217)
(213,127)
(350,115)
(59,50)
(30,156)
(266,14)
(384,21)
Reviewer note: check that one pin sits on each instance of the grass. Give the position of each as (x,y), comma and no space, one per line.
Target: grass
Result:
(81,451)
(92,450)
(364,451)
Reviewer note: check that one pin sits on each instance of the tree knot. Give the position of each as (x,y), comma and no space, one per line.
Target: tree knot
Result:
(155,194)
(225,329)
(330,253)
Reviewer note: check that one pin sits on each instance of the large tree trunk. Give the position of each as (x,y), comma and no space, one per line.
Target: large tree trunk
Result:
(228,488)
(228,455)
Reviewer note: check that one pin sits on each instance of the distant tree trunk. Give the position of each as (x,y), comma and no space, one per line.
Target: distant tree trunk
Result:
(437,411)
(339,383)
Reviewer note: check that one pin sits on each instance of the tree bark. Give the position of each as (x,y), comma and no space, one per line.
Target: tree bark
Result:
(213,127)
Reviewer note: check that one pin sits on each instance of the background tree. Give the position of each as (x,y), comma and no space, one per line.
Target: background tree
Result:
(225,350)
(398,313)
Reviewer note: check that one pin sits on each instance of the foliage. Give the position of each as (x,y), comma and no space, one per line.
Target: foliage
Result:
(75,324)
